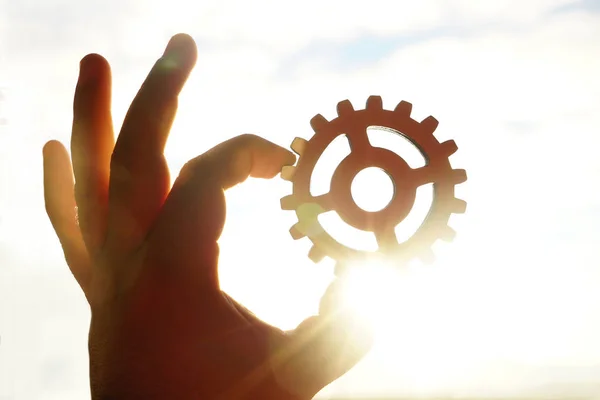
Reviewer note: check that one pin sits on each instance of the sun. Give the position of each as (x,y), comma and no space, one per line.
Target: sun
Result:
(370,291)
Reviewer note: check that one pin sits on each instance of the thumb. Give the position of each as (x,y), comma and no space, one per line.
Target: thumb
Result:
(326,346)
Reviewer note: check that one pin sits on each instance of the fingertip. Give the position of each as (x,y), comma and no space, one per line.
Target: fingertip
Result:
(181,50)
(182,39)
(56,159)
(95,59)
(92,67)
(272,151)
(52,147)
(275,159)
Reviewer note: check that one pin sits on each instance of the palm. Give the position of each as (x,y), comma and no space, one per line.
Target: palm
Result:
(146,255)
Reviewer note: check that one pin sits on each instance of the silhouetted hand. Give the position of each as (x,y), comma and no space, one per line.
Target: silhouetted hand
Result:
(146,255)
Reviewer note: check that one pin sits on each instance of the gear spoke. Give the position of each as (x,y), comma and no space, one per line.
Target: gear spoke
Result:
(386,238)
(422,176)
(325,201)
(359,141)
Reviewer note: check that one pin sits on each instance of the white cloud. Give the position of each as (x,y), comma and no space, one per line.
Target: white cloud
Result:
(514,84)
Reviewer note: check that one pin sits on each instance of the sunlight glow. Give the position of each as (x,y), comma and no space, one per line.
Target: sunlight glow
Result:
(370,292)
(346,234)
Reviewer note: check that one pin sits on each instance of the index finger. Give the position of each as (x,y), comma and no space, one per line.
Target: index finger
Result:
(234,160)
(193,216)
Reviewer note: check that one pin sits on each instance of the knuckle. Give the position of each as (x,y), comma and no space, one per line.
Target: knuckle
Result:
(249,138)
(119,170)
(187,171)
(189,166)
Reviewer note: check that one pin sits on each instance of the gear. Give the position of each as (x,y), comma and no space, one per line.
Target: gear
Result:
(354,123)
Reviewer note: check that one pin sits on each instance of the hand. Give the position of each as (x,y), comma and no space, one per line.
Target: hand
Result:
(146,255)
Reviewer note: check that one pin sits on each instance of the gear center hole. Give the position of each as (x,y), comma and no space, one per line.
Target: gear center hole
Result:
(372,189)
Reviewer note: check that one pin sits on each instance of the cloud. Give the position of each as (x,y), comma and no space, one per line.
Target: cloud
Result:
(515,83)
(581,5)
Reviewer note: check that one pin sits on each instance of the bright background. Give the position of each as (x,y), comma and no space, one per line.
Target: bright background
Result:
(511,308)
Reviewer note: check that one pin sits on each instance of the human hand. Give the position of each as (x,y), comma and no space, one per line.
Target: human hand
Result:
(146,255)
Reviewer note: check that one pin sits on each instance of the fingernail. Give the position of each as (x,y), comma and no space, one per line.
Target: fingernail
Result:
(180,50)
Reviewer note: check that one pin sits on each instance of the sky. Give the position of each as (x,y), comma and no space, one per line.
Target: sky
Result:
(510,308)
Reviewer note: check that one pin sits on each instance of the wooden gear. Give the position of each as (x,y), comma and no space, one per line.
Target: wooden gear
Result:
(354,124)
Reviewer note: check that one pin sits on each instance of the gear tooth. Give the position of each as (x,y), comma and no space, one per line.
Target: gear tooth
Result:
(404,108)
(427,256)
(289,202)
(296,232)
(459,206)
(447,234)
(344,107)
(316,254)
(430,123)
(460,176)
(298,145)
(318,122)
(375,102)
(449,147)
(288,172)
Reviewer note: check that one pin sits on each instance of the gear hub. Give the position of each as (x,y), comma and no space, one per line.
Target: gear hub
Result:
(354,123)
